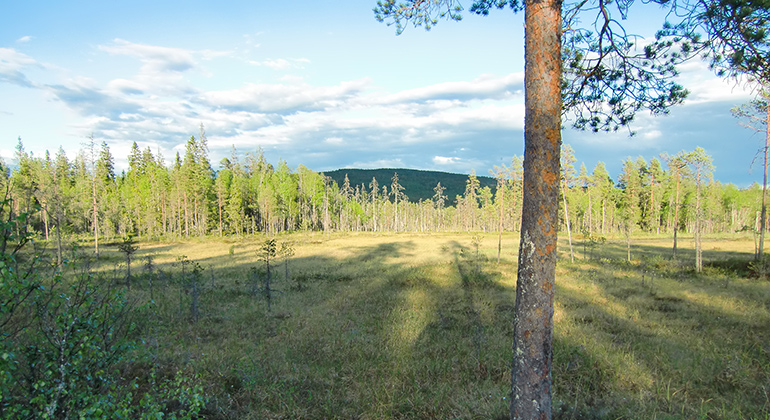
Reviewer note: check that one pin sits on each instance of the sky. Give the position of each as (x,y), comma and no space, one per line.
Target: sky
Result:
(317,83)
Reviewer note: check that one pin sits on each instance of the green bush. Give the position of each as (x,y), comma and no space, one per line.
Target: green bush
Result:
(63,343)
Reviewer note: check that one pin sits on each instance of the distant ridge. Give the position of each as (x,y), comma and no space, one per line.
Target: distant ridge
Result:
(418,184)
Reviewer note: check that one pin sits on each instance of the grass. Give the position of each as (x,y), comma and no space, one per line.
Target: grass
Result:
(419,326)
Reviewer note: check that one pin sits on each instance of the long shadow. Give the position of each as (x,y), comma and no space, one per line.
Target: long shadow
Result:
(366,336)
(616,250)
(678,343)
(362,328)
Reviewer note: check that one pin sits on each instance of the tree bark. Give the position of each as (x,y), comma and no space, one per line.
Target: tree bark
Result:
(676,211)
(566,219)
(698,247)
(501,187)
(533,324)
(763,219)
(95,220)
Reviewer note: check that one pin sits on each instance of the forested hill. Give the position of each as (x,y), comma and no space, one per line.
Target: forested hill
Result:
(418,185)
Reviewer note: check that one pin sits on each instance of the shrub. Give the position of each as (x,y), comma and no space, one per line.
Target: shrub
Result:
(63,341)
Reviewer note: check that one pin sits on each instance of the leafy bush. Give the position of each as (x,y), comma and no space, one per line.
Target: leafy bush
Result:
(64,340)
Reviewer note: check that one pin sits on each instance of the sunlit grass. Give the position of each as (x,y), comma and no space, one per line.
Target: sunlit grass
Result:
(376,326)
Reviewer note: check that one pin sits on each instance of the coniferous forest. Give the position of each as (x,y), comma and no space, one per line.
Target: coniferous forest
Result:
(262,291)
(186,197)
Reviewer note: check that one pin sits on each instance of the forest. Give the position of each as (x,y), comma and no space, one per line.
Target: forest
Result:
(249,195)
(257,291)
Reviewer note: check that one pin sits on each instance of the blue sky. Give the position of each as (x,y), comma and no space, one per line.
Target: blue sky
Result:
(318,83)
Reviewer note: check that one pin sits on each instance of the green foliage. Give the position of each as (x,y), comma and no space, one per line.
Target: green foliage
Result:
(760,268)
(65,337)
(189,199)
(424,14)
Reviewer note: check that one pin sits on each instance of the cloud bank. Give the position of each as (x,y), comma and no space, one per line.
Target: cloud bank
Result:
(455,126)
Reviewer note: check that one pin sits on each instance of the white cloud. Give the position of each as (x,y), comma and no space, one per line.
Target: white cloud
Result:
(155,58)
(284,98)
(705,86)
(291,117)
(443,160)
(7,154)
(12,63)
(24,39)
(281,63)
(483,87)
(652,134)
(379,163)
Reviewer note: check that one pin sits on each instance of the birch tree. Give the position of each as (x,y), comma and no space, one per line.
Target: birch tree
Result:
(755,115)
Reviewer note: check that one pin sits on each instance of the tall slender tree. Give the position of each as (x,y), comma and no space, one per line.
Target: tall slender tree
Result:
(702,168)
(586,184)
(656,174)
(677,167)
(567,181)
(374,186)
(438,201)
(500,174)
(756,116)
(601,179)
(397,191)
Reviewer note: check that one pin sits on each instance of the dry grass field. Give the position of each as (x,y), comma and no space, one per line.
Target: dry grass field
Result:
(419,326)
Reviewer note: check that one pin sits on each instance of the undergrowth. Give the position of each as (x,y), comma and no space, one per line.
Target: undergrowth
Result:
(420,326)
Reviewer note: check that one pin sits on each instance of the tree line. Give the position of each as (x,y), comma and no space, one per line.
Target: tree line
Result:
(669,194)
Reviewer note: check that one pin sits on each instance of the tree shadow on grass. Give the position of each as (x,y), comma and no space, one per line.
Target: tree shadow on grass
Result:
(678,346)
(370,336)
(367,337)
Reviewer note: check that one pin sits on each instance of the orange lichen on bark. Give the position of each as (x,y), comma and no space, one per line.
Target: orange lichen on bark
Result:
(549,177)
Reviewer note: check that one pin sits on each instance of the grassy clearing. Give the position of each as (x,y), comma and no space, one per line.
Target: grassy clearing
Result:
(420,326)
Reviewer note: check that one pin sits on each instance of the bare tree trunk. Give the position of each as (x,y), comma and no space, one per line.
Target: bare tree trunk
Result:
(698,247)
(566,218)
(533,323)
(676,212)
(96,219)
(186,217)
(590,214)
(219,206)
(45,220)
(763,219)
(604,214)
(500,234)
(59,258)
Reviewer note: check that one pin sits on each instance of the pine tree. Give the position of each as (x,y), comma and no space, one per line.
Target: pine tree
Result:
(396,190)
(438,201)
(567,180)
(677,167)
(702,168)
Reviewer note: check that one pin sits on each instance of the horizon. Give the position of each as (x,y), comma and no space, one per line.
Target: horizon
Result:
(320,84)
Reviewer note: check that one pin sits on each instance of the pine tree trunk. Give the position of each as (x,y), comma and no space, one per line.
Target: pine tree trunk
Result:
(763,219)
(219,206)
(96,219)
(590,214)
(566,218)
(500,234)
(59,257)
(604,214)
(186,217)
(698,248)
(533,321)
(676,213)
